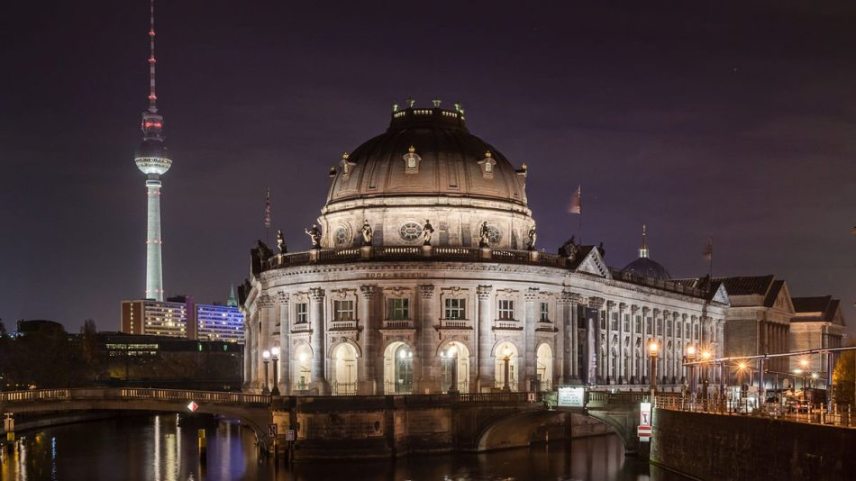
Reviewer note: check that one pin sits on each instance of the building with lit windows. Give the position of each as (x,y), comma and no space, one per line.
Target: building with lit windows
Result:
(181,317)
(424,277)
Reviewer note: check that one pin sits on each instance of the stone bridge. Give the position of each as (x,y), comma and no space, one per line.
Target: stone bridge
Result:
(362,426)
(252,409)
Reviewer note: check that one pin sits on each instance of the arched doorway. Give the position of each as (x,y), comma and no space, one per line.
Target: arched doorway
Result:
(302,373)
(456,367)
(345,369)
(505,366)
(398,368)
(544,367)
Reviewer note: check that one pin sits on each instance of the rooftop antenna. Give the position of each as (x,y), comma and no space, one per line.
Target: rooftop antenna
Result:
(153,108)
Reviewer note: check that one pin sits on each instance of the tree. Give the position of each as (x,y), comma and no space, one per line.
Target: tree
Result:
(844,377)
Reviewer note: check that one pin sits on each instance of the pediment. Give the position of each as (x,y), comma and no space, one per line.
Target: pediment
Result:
(593,264)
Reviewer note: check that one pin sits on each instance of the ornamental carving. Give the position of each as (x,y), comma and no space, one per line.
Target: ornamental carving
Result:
(483,292)
(426,291)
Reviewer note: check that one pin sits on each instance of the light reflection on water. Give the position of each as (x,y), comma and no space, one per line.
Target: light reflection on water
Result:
(164,448)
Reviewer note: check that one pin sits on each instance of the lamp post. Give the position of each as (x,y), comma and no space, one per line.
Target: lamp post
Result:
(705,357)
(741,368)
(274,352)
(653,349)
(506,359)
(690,356)
(266,357)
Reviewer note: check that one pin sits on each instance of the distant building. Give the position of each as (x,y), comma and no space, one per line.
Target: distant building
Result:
(758,321)
(817,323)
(162,361)
(25,327)
(181,317)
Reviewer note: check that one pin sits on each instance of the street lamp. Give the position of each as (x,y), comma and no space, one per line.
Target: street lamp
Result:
(274,351)
(266,357)
(705,357)
(506,359)
(653,349)
(741,368)
(690,357)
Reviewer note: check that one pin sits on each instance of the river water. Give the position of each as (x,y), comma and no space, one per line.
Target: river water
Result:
(164,448)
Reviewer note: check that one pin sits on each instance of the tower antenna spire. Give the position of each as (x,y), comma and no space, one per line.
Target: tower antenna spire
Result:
(153,108)
(643,248)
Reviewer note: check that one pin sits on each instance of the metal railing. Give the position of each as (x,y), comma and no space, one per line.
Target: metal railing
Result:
(812,415)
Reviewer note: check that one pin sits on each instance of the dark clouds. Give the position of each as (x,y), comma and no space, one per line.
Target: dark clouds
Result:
(731,120)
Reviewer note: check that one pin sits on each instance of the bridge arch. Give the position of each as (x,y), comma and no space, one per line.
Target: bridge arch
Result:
(252,410)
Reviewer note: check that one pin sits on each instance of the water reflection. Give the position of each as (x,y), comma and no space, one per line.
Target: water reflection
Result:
(164,448)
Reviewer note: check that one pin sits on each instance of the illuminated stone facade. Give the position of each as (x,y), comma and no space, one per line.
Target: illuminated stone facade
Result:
(471,307)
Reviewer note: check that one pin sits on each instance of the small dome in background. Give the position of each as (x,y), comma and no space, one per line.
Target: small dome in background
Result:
(644,266)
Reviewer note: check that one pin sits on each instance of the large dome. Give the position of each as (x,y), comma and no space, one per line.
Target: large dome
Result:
(446,160)
(426,167)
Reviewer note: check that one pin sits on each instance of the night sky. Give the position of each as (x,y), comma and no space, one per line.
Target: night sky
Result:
(696,118)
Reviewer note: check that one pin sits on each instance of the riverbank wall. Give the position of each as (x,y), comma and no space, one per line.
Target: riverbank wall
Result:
(718,447)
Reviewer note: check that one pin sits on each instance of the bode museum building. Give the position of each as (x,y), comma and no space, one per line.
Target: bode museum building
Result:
(425,276)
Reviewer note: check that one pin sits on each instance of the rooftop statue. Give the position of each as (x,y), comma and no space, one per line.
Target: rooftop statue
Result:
(367,233)
(314,234)
(533,237)
(427,232)
(280,242)
(484,235)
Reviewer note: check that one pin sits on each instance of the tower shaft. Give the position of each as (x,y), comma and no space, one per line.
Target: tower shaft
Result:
(154,273)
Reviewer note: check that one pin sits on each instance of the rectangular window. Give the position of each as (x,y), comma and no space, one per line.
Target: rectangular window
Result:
(638,324)
(668,328)
(545,312)
(455,308)
(505,310)
(398,309)
(648,325)
(614,323)
(627,323)
(302,313)
(343,310)
(678,329)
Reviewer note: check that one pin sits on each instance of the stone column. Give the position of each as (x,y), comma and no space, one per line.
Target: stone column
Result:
(572,307)
(368,376)
(610,308)
(427,343)
(684,343)
(565,340)
(634,352)
(622,372)
(530,323)
(248,351)
(316,317)
(647,333)
(594,361)
(484,375)
(284,346)
(263,341)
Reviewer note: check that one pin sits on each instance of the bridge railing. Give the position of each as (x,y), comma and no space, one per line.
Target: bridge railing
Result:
(131,394)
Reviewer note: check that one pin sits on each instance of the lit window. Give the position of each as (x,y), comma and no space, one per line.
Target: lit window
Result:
(343,310)
(302,313)
(505,310)
(454,308)
(398,309)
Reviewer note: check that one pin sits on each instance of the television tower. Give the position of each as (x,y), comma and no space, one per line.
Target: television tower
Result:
(153,160)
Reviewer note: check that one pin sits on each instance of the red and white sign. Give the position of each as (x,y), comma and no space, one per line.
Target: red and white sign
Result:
(644,428)
(192,406)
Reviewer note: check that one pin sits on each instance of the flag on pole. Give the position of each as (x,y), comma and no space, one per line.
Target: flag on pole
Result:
(576,206)
(267,209)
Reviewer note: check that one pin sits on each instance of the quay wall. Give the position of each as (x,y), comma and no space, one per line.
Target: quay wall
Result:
(736,448)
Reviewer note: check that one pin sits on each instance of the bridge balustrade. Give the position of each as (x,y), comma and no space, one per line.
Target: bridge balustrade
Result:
(130,394)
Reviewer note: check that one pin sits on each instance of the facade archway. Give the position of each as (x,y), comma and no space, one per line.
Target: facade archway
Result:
(344,369)
(455,358)
(398,368)
(544,367)
(506,363)
(302,370)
